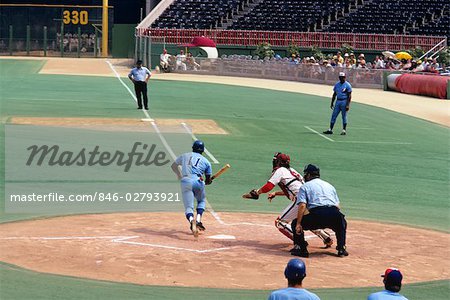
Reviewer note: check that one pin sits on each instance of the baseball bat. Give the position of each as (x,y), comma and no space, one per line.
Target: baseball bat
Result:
(221,171)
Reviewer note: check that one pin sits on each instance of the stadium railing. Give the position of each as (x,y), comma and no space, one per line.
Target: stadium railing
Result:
(324,40)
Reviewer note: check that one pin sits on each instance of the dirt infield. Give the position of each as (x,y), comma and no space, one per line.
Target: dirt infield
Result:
(158,249)
(198,126)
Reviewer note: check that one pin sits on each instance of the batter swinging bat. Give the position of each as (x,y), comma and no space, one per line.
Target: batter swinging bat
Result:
(221,171)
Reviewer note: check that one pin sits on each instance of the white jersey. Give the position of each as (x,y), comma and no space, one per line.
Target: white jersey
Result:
(164,57)
(289,180)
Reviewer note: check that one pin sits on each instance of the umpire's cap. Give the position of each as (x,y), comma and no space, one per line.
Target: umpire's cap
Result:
(295,269)
(198,146)
(311,169)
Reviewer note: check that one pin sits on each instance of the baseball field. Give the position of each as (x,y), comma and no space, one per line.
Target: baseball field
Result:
(391,172)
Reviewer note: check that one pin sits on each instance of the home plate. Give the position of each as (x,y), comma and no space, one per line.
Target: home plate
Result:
(222,237)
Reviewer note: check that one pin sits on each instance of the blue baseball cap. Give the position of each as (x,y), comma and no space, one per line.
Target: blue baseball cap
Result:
(393,277)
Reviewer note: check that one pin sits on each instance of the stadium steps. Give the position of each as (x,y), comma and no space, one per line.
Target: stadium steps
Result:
(357,4)
(248,7)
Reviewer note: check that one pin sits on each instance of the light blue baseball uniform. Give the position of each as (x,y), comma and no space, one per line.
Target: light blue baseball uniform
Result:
(341,90)
(386,295)
(293,294)
(193,166)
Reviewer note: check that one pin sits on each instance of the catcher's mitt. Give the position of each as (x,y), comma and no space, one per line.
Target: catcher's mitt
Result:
(253,194)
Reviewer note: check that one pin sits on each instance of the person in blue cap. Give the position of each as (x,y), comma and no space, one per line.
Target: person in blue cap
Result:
(193,166)
(295,272)
(392,280)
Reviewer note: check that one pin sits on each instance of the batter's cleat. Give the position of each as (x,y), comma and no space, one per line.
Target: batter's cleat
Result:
(200,226)
(342,252)
(328,242)
(343,132)
(194,228)
(328,132)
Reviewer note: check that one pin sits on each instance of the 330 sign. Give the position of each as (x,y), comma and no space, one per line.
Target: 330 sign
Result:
(75,17)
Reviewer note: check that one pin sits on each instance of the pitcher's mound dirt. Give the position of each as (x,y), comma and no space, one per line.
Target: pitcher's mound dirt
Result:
(158,249)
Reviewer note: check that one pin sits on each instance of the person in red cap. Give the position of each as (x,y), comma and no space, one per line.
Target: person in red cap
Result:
(392,280)
(289,181)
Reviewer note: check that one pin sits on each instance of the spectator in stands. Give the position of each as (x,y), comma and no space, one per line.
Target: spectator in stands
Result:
(181,61)
(294,60)
(433,65)
(352,59)
(294,272)
(191,63)
(392,280)
(334,62)
(339,57)
(390,64)
(348,64)
(413,65)
(379,63)
(405,64)
(362,64)
(164,61)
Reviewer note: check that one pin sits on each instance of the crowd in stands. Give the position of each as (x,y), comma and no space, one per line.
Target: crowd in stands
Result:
(350,61)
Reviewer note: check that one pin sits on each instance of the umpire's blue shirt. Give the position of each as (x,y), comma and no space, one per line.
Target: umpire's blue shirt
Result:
(342,90)
(317,192)
(139,74)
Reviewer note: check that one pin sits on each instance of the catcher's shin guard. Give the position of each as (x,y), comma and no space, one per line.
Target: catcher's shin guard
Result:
(284,228)
(324,236)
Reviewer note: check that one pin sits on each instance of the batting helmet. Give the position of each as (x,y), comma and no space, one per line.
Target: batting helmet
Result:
(295,269)
(281,160)
(312,170)
(198,146)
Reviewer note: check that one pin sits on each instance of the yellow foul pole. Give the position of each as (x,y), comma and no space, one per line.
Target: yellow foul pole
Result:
(105,29)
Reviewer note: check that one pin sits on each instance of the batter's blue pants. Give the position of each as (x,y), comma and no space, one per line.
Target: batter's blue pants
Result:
(339,107)
(193,188)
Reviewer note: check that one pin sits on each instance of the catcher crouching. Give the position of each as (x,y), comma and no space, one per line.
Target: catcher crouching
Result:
(289,181)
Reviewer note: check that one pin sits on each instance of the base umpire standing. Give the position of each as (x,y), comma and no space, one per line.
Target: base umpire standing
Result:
(322,202)
(140,76)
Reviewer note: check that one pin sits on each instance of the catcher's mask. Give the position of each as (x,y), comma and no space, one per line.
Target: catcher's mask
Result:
(280,160)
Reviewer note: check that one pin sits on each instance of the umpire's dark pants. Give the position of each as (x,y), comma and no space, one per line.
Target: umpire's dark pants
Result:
(140,87)
(320,218)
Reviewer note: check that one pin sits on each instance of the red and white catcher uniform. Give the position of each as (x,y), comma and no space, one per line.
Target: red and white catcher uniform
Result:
(290,181)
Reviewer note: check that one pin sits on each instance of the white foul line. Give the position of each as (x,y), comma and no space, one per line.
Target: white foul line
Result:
(67,237)
(124,241)
(163,140)
(370,142)
(188,130)
(325,137)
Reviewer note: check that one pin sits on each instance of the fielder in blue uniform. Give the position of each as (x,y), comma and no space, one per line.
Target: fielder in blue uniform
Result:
(295,272)
(343,94)
(193,166)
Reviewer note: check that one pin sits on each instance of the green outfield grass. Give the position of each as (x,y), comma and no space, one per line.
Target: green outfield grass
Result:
(389,168)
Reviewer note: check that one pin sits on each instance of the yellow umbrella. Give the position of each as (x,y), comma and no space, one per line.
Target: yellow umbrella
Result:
(403,55)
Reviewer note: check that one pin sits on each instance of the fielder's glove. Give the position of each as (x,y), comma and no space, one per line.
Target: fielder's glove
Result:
(253,194)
